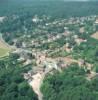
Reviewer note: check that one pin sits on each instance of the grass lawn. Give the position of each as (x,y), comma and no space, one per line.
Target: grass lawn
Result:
(4,51)
(4,48)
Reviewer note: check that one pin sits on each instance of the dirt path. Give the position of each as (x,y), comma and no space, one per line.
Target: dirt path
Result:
(36,84)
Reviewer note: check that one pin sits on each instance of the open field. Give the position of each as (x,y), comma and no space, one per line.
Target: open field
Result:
(3,52)
(4,48)
(95,35)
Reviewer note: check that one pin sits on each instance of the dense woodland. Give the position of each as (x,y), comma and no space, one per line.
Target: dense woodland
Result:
(71,84)
(55,9)
(12,84)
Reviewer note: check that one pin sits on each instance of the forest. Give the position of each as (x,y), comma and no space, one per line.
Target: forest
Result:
(12,84)
(71,84)
(56,9)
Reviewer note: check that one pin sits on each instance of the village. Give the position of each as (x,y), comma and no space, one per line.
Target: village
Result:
(28,49)
(47,53)
(48,50)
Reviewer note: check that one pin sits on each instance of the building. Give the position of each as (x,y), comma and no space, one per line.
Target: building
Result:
(96,22)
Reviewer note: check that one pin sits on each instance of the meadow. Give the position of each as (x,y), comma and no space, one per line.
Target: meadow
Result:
(4,49)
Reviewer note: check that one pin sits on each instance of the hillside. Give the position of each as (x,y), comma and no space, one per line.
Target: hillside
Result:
(54,50)
(56,9)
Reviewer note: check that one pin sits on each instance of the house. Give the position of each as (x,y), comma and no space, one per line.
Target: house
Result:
(35,19)
(21,59)
(82,30)
(24,44)
(66,28)
(27,62)
(80,40)
(26,76)
(61,64)
(81,62)
(18,44)
(75,36)
(1,19)
(68,49)
(96,22)
(40,58)
(47,24)
(50,65)
(66,33)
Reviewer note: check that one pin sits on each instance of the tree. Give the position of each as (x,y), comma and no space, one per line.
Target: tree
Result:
(71,84)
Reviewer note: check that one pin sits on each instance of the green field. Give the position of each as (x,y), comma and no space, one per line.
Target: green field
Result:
(4,47)
(3,52)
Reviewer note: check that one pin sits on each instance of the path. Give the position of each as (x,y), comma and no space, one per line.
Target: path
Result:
(36,84)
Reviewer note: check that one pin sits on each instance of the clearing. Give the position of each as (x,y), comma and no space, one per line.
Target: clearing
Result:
(36,84)
(4,52)
(4,47)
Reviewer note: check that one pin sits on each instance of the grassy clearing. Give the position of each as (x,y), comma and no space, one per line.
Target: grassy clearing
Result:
(4,51)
